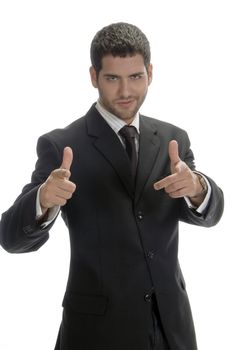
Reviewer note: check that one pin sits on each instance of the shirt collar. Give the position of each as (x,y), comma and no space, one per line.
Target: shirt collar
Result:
(113,121)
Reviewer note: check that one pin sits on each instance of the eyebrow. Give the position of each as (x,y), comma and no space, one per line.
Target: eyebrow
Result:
(118,76)
(137,73)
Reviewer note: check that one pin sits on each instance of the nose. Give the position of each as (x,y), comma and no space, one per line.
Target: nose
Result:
(124,89)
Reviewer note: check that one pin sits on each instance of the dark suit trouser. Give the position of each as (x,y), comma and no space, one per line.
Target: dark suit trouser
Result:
(157,337)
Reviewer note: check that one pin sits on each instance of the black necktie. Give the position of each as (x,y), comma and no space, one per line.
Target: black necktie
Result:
(129,133)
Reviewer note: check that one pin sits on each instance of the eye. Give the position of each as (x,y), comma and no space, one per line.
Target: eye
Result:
(111,78)
(136,76)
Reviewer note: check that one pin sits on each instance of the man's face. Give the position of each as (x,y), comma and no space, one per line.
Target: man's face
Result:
(122,84)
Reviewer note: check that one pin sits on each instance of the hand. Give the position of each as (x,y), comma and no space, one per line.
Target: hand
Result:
(182,181)
(57,189)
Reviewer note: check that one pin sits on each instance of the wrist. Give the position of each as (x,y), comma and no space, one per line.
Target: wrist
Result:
(43,209)
(203,186)
(44,205)
(198,198)
(44,215)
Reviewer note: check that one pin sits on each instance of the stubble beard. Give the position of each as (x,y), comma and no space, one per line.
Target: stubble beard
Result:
(124,114)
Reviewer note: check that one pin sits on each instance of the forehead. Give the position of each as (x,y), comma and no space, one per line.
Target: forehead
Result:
(122,65)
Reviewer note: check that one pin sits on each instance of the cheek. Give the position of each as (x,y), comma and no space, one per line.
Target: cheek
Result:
(140,86)
(109,92)
(142,91)
(107,89)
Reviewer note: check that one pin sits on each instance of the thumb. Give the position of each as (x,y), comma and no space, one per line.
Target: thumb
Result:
(173,152)
(67,158)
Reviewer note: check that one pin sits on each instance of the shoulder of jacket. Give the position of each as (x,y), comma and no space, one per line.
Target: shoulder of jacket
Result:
(161,125)
(67,131)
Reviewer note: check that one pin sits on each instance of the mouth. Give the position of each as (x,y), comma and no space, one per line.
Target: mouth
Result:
(125,103)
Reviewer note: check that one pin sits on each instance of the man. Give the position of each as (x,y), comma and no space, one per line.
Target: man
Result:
(122,193)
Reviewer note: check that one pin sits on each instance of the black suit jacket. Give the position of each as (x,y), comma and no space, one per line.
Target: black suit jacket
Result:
(124,242)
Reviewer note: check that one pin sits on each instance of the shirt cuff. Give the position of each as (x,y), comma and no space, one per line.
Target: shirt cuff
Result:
(205,202)
(52,212)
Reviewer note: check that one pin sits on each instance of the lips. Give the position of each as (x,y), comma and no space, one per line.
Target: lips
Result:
(125,103)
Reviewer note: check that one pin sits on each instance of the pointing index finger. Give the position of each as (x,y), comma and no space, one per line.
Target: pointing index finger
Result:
(166,181)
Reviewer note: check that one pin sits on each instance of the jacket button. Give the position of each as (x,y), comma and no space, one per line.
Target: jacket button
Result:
(140,215)
(151,255)
(147,298)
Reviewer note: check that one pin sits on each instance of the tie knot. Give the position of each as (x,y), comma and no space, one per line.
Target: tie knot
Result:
(128,131)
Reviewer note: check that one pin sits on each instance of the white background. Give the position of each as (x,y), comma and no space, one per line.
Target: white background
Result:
(44,84)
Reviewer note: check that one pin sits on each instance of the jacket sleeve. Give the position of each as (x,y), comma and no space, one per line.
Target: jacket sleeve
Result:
(214,210)
(20,232)
(212,213)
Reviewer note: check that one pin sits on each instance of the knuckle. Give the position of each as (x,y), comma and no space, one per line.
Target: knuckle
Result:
(50,180)
(54,173)
(69,195)
(71,187)
(63,202)
(67,173)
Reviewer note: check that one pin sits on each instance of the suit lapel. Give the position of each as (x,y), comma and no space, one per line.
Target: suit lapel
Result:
(148,152)
(106,142)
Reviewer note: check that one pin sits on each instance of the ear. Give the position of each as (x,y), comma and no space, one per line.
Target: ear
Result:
(150,73)
(93,76)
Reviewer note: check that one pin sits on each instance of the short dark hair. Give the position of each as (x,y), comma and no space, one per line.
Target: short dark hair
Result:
(119,39)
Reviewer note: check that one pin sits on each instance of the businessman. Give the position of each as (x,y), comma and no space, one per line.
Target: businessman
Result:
(122,182)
